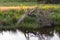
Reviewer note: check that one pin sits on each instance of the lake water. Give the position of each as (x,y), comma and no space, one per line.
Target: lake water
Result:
(18,35)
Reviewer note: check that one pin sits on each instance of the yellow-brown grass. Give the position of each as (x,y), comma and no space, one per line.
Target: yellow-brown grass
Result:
(5,8)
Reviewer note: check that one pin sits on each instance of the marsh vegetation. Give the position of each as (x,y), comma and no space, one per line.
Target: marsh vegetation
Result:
(39,21)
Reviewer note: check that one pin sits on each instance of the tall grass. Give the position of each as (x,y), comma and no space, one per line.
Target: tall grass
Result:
(8,19)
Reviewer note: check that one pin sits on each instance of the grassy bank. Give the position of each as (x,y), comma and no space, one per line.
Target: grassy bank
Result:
(9,18)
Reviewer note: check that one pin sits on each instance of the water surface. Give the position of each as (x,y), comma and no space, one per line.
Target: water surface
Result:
(18,35)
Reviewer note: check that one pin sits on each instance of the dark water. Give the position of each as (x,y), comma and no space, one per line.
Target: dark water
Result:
(45,33)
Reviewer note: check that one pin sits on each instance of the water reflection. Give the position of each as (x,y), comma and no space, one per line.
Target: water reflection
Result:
(8,35)
(45,33)
(55,36)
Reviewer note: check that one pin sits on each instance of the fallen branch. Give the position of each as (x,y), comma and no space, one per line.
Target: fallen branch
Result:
(25,15)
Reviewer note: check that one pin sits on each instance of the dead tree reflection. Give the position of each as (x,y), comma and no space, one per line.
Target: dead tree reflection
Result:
(44,33)
(40,36)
